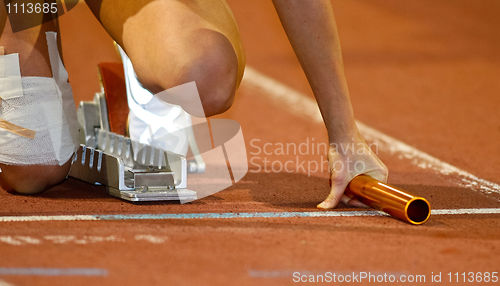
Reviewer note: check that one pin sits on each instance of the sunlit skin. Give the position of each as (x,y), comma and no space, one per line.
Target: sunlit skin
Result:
(164,56)
(32,179)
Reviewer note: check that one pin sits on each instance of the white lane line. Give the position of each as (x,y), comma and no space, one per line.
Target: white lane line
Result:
(151,238)
(465,211)
(300,104)
(56,217)
(10,240)
(20,240)
(192,216)
(27,239)
(65,239)
(39,271)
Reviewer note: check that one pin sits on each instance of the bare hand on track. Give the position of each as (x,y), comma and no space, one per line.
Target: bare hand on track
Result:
(346,161)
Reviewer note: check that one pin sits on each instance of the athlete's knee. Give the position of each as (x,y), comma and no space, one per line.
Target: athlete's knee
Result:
(211,62)
(215,72)
(31,179)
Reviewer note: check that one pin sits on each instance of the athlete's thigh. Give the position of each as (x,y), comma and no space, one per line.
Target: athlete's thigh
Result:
(151,29)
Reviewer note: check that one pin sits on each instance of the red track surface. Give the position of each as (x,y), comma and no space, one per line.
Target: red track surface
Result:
(425,72)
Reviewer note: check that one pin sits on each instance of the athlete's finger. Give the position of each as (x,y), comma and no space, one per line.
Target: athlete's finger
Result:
(336,191)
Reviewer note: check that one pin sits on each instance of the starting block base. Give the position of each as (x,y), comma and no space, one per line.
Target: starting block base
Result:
(147,196)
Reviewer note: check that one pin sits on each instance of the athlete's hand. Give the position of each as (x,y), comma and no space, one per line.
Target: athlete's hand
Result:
(346,161)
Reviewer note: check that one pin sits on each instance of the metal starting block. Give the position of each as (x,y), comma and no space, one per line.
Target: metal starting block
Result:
(130,170)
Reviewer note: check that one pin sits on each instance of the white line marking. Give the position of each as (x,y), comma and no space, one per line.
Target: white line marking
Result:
(28,239)
(19,240)
(38,271)
(465,211)
(150,238)
(57,217)
(300,104)
(59,239)
(65,239)
(173,216)
(10,240)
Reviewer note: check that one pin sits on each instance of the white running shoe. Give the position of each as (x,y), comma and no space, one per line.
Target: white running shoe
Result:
(153,121)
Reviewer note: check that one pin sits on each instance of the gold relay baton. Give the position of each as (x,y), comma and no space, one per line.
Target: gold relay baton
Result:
(392,200)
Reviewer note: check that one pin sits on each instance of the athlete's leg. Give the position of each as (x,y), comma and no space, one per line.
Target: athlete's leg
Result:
(34,60)
(31,179)
(172,42)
